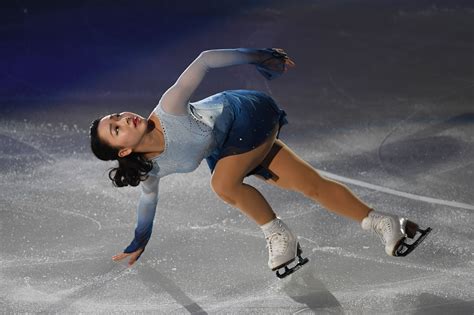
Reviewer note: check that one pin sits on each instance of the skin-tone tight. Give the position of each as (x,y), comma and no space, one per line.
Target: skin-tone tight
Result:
(292,173)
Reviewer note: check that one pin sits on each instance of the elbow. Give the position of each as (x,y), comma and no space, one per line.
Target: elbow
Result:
(204,57)
(149,197)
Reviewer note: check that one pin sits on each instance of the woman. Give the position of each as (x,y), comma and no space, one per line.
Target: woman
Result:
(237,132)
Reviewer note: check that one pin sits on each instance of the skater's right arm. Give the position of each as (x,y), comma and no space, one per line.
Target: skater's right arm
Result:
(145,218)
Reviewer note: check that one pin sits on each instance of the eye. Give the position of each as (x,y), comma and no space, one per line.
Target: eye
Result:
(116,131)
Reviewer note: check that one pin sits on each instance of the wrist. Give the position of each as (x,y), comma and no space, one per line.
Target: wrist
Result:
(255,55)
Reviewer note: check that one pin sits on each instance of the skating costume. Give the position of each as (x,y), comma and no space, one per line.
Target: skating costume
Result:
(227,123)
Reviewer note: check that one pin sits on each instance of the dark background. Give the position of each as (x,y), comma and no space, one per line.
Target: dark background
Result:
(63,54)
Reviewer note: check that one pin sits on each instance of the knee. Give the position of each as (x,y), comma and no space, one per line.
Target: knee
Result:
(224,189)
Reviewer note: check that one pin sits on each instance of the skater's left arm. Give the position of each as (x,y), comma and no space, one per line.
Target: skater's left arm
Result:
(176,98)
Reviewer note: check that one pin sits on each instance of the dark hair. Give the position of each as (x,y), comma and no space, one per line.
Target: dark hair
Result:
(131,169)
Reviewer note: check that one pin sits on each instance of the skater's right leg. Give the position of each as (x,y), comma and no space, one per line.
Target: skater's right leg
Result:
(293,173)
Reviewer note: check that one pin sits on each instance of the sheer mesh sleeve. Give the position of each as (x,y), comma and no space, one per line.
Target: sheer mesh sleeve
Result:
(145,214)
(175,99)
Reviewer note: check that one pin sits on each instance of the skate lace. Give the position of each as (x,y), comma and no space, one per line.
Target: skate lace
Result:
(382,227)
(277,243)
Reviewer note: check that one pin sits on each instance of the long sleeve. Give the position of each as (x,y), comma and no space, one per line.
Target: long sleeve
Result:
(176,98)
(145,214)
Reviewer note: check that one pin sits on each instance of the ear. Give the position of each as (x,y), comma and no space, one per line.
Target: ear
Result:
(124,152)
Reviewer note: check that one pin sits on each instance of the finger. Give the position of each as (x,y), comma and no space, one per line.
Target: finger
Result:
(120,256)
(280,50)
(290,62)
(288,66)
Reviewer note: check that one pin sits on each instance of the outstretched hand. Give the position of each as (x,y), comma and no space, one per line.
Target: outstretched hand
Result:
(281,63)
(275,63)
(133,256)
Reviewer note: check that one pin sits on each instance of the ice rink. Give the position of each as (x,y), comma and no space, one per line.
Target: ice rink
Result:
(381,99)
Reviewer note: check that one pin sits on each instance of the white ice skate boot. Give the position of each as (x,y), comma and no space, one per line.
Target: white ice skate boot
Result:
(393,231)
(283,247)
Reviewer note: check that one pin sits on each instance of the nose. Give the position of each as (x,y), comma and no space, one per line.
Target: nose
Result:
(125,120)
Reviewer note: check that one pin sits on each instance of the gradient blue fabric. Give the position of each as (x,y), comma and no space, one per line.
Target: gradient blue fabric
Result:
(253,115)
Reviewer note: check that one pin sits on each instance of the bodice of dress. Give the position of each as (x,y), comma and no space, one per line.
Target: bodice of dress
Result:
(187,142)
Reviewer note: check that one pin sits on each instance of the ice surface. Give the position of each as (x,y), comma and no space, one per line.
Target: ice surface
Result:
(381,98)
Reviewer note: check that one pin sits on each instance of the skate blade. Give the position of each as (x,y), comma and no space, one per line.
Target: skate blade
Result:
(289,270)
(405,248)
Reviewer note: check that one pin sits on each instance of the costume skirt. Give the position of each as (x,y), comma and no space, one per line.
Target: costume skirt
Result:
(247,120)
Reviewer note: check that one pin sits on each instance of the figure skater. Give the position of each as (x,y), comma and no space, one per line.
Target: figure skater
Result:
(237,132)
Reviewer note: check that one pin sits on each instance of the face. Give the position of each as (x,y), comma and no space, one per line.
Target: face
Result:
(124,131)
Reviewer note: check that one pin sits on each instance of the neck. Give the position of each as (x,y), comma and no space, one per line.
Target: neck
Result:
(153,142)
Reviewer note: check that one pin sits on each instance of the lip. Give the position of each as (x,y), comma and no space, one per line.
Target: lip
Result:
(136,120)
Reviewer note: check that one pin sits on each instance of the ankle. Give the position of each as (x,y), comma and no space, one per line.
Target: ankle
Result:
(271,226)
(366,222)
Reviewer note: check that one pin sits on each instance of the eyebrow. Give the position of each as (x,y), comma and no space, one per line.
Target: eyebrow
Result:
(110,125)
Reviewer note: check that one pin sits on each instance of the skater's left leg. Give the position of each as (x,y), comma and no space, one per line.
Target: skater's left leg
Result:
(293,173)
(227,182)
